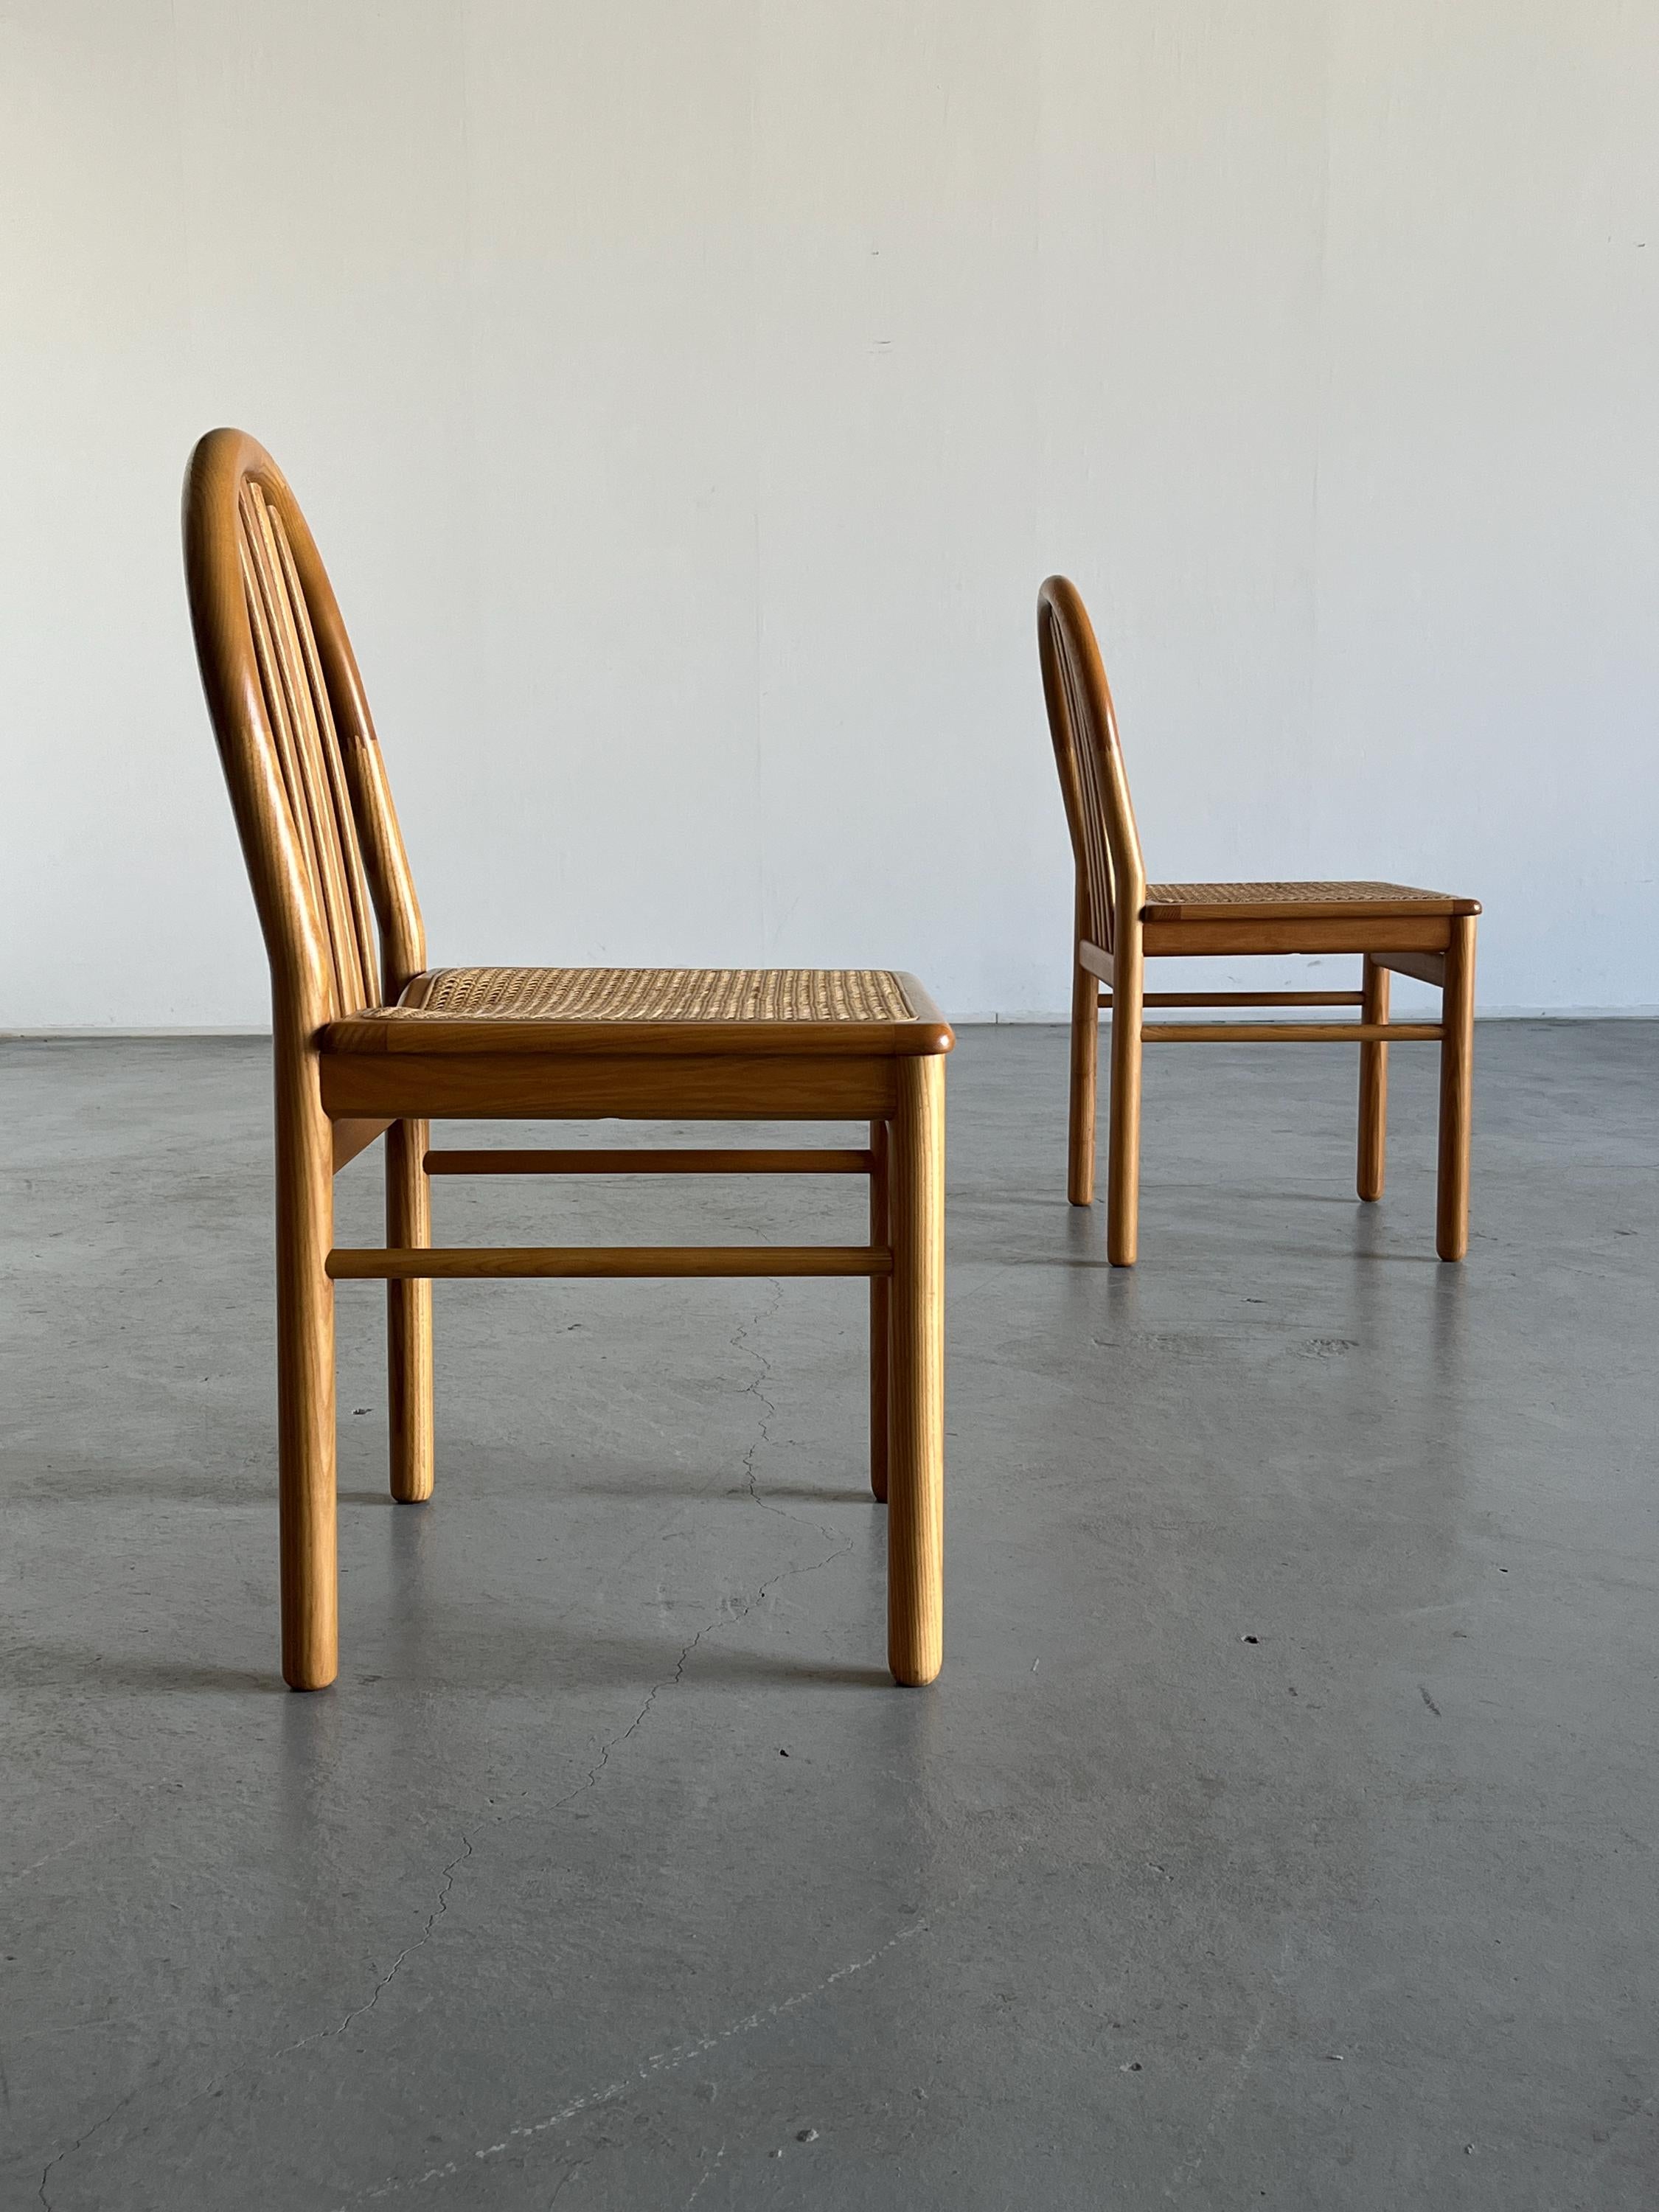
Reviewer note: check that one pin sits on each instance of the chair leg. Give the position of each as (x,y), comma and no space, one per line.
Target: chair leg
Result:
(916,1510)
(1373,1086)
(1085,1059)
(881,1311)
(1457,1090)
(305,1381)
(409,1315)
(1123,1141)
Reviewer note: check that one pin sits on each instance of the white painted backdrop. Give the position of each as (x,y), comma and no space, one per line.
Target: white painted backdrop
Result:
(688,396)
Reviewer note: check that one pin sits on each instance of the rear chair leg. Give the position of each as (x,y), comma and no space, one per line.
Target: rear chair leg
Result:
(1457,1090)
(915,1509)
(881,1310)
(1085,1060)
(1373,1086)
(1123,1141)
(305,1383)
(409,1315)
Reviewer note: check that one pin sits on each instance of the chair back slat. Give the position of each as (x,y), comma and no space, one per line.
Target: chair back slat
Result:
(331,877)
(1111,877)
(351,851)
(327,830)
(285,751)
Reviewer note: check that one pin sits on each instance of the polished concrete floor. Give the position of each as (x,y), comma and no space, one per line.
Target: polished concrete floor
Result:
(1283,1827)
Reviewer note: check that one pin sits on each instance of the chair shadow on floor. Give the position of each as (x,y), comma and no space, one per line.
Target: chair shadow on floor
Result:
(41,1666)
(56,1479)
(567,1663)
(604,1664)
(435,1645)
(717,1488)
(720,1664)
(1201,1240)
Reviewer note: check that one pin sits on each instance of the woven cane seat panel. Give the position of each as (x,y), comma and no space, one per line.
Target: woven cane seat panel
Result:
(1289,894)
(658,995)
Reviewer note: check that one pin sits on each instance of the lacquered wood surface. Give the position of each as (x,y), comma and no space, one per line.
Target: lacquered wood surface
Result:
(775,1160)
(305,1423)
(352,1138)
(881,1312)
(1210,940)
(428,1036)
(1371,1167)
(916,1478)
(585,1087)
(1456,1094)
(408,1317)
(1360,1033)
(595,1262)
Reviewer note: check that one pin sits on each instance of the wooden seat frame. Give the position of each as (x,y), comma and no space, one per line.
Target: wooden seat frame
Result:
(1120,923)
(345,938)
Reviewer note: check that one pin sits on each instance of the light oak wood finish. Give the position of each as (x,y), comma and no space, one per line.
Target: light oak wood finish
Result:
(881,1312)
(594,1262)
(1085,1079)
(1226,934)
(1123,1115)
(308,1541)
(1244,998)
(1122,921)
(771,1162)
(915,1491)
(369,1043)
(1424,967)
(703,1086)
(1457,1093)
(409,1316)
(351,1137)
(1372,1167)
(1361,1033)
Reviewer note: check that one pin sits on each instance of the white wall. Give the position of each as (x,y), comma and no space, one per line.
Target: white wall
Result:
(688,396)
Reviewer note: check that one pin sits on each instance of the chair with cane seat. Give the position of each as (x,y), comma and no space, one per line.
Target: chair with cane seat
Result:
(1122,921)
(369,1044)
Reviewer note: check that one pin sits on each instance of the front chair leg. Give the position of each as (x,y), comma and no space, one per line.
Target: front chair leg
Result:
(915,1505)
(1456,1088)
(305,1387)
(409,1315)
(1085,1060)
(1373,1086)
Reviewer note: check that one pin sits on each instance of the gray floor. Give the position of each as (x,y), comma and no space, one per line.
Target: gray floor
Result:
(1281,1830)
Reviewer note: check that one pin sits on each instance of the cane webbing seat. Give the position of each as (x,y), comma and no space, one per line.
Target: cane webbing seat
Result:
(659,995)
(664,1012)
(1264,902)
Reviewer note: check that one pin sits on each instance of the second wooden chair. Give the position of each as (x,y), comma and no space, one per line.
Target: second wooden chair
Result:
(1122,921)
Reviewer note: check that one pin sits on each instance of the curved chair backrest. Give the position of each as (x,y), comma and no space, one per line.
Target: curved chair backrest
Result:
(313,806)
(1111,878)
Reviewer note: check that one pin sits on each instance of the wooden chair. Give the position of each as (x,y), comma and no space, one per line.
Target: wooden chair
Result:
(370,1043)
(1122,921)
